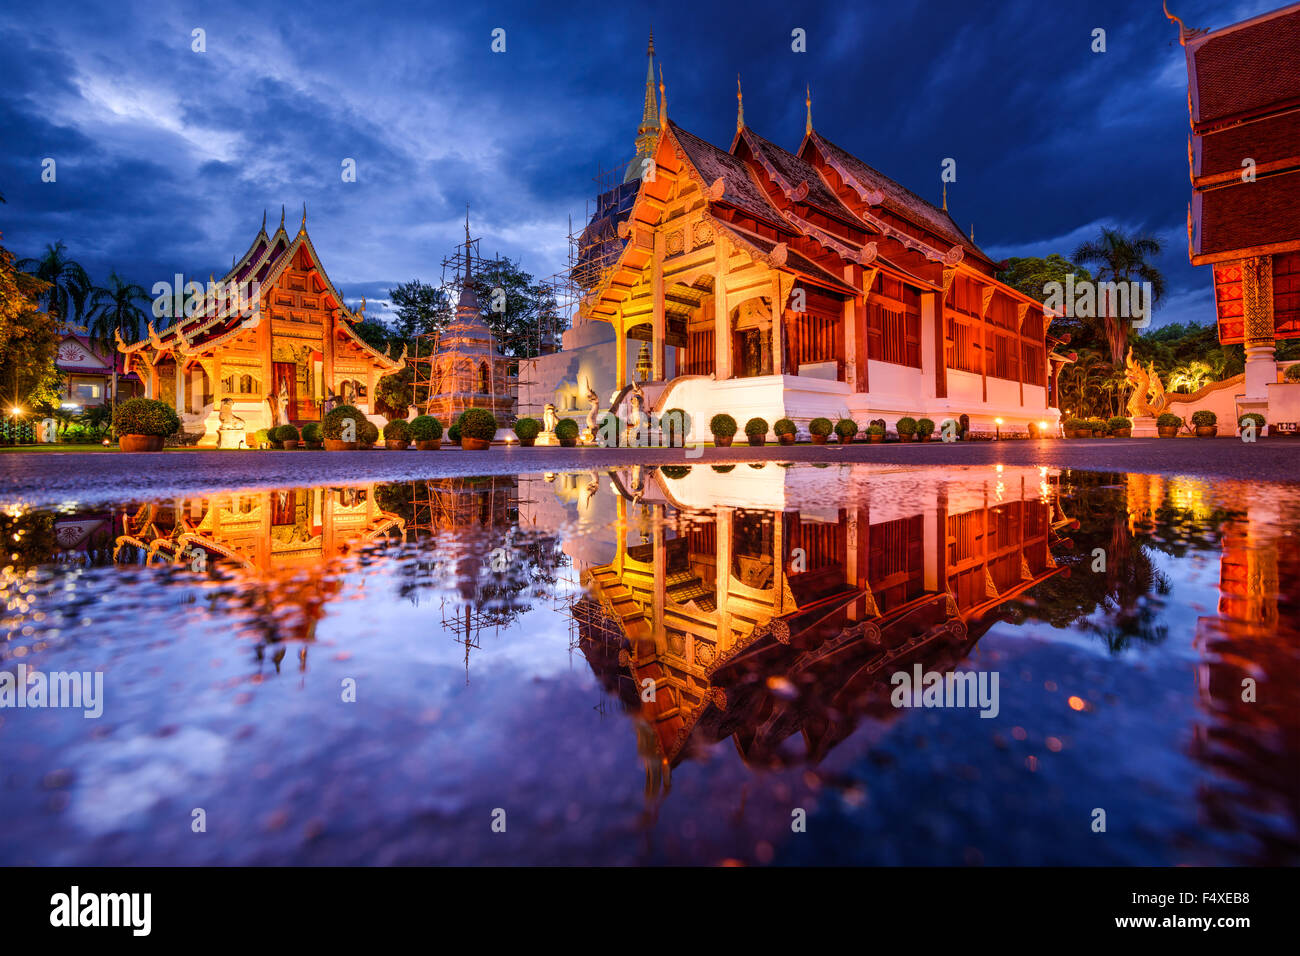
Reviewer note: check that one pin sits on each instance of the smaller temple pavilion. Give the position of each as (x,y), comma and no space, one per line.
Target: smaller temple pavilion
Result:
(1244,218)
(270,343)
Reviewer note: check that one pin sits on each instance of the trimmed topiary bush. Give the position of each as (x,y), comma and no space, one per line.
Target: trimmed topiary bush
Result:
(785,426)
(145,416)
(261,438)
(875,429)
(1118,423)
(367,432)
(397,430)
(478,423)
(820,427)
(1169,420)
(284,433)
(722,426)
(1255,417)
(425,428)
(312,433)
(756,428)
(847,429)
(527,428)
(337,420)
(1204,418)
(925,427)
(676,472)
(453,433)
(566,429)
(1292,374)
(907,425)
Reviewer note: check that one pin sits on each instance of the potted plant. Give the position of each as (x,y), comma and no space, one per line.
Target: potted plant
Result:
(875,434)
(312,435)
(478,427)
(1255,417)
(261,438)
(1119,427)
(340,428)
(527,430)
(723,428)
(286,436)
(142,424)
(906,428)
(566,432)
(675,425)
(453,433)
(1206,423)
(675,472)
(846,429)
(924,428)
(426,432)
(786,431)
(756,431)
(397,435)
(367,433)
(819,430)
(1167,425)
(1292,373)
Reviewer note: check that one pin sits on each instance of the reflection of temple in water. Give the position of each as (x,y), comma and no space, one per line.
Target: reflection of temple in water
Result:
(278,543)
(760,623)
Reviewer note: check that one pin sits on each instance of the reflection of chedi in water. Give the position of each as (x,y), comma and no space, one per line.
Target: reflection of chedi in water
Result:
(764,602)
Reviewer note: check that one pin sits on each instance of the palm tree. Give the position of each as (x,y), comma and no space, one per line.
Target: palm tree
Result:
(113,309)
(1121,258)
(69,286)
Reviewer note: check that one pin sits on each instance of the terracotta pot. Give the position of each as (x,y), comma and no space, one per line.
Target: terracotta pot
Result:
(876,439)
(1206,431)
(818,439)
(527,442)
(396,444)
(140,442)
(1167,431)
(314,446)
(925,438)
(429,444)
(337,444)
(723,441)
(474,444)
(1124,433)
(289,444)
(757,440)
(902,437)
(568,442)
(786,439)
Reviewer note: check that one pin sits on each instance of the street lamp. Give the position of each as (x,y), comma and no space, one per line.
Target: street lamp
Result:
(998,430)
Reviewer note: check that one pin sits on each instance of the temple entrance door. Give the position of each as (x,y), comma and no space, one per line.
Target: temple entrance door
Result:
(752,352)
(285,391)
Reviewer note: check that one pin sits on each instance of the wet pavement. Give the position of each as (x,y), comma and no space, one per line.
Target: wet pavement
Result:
(690,664)
(52,477)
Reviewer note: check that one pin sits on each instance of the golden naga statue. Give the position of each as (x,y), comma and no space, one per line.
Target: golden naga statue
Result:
(1148,398)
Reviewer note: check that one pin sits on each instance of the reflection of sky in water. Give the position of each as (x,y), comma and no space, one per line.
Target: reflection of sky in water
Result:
(224,693)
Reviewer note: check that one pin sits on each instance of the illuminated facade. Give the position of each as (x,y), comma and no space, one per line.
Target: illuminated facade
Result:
(280,349)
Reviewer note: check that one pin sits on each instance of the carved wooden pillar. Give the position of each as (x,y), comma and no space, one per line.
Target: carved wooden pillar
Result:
(721,315)
(778,323)
(1260,332)
(658,320)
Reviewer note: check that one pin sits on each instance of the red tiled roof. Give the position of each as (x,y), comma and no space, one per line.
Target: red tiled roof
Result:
(1249,215)
(1245,68)
(794,171)
(899,199)
(741,190)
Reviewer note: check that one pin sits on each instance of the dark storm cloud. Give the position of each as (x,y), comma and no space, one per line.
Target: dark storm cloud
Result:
(167,157)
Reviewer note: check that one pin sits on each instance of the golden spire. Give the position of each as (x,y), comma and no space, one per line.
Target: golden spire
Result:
(663,100)
(740,106)
(281,215)
(649,128)
(945,196)
(264,220)
(807,102)
(303,228)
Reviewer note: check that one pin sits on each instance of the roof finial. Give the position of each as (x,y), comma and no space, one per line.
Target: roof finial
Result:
(740,106)
(650,49)
(1182,29)
(304,217)
(945,196)
(281,215)
(264,219)
(972,232)
(468,247)
(663,100)
(807,101)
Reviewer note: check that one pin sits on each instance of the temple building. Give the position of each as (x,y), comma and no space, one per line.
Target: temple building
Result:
(1244,217)
(90,376)
(270,343)
(798,284)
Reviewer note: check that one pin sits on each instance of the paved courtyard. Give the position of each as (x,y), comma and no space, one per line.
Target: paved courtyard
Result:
(86,477)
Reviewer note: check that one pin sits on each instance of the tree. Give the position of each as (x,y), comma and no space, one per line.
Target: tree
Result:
(67,285)
(1121,258)
(421,309)
(1032,275)
(29,337)
(515,313)
(114,309)
(374,333)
